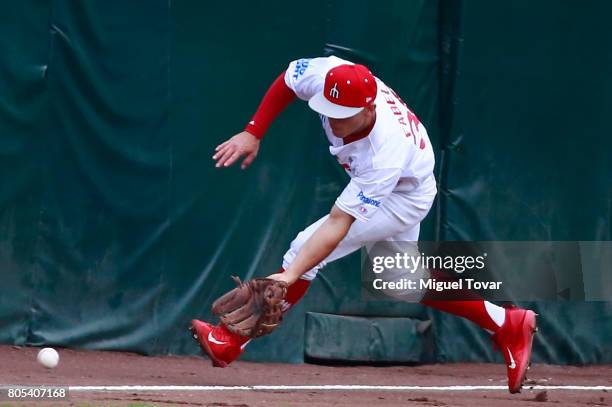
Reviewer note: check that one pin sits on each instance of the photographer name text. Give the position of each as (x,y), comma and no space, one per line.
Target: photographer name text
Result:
(433,284)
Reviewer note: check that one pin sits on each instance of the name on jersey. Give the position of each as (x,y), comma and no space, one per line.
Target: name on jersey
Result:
(300,67)
(366,200)
(411,126)
(391,97)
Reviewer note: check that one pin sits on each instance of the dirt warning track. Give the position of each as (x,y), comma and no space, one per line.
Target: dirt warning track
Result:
(116,378)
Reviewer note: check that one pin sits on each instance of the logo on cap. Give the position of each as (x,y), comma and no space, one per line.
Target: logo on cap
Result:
(348,88)
(333,92)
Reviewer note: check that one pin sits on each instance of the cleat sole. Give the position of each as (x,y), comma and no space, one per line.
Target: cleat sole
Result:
(534,329)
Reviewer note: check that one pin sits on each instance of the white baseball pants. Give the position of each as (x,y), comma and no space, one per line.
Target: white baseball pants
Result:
(398,219)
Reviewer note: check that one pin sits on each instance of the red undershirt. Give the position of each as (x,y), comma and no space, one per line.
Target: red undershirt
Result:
(276,99)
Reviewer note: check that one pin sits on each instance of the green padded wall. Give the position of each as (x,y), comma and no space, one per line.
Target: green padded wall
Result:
(526,152)
(116,229)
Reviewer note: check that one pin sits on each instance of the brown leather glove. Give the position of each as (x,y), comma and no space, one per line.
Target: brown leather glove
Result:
(253,308)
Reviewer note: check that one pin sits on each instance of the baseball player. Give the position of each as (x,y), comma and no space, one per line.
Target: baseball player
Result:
(386,152)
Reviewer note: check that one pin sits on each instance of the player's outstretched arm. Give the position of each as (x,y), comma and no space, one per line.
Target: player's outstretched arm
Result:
(240,145)
(246,143)
(318,246)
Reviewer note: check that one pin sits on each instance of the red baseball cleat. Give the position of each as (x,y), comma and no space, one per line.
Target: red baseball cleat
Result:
(221,346)
(515,340)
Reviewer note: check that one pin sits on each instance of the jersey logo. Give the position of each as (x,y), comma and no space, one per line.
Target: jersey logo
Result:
(366,200)
(333,92)
(345,165)
(300,67)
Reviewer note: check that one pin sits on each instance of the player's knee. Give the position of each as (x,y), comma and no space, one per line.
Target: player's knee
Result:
(310,275)
(294,249)
(298,242)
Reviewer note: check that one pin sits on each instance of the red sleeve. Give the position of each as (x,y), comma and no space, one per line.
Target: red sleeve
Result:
(276,99)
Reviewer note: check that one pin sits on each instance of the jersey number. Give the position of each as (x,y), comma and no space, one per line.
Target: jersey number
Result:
(414,124)
(415,129)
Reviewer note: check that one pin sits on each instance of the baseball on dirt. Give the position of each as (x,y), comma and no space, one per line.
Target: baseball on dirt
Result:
(48,357)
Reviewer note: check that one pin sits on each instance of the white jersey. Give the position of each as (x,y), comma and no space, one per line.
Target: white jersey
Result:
(396,156)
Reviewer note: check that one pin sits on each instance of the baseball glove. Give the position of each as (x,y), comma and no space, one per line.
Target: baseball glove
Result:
(252,309)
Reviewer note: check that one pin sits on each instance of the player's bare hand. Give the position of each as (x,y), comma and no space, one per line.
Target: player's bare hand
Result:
(240,145)
(282,277)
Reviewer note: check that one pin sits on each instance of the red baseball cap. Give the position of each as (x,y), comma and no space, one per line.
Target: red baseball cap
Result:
(348,89)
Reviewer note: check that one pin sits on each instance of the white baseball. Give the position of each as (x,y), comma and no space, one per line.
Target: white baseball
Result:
(48,357)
